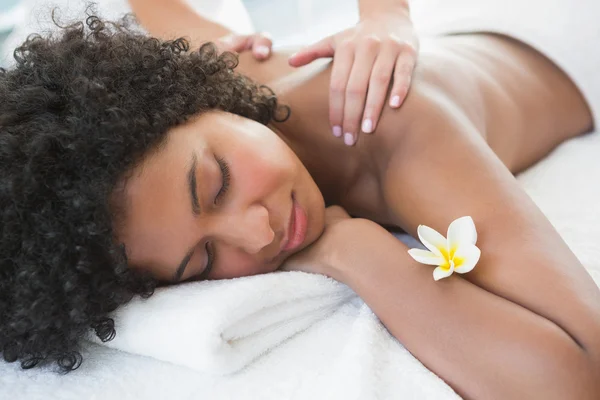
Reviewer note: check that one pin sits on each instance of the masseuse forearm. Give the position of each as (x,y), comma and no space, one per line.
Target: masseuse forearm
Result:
(370,7)
(170,19)
(483,345)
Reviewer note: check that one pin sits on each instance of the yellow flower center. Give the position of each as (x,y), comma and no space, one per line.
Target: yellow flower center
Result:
(450,258)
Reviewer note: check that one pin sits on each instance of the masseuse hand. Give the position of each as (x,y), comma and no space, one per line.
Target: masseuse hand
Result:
(380,48)
(259,43)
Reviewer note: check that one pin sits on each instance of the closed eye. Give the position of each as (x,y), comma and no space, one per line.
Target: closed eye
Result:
(225,179)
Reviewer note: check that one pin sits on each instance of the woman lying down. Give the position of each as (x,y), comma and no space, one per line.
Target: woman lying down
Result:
(128,161)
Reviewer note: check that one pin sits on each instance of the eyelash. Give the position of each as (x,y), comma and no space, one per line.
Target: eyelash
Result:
(210,263)
(226,179)
(224,187)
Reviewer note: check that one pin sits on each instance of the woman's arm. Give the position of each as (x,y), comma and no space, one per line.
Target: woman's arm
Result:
(527,319)
(483,345)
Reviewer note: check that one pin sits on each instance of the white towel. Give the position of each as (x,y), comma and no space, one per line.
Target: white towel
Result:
(222,326)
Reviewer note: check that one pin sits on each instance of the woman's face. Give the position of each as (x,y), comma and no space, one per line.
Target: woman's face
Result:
(224,197)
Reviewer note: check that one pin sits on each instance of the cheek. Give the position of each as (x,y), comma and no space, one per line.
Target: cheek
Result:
(265,154)
(259,173)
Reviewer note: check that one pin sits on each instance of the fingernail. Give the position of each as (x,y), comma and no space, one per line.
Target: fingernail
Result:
(262,51)
(337,131)
(395,101)
(367,126)
(348,139)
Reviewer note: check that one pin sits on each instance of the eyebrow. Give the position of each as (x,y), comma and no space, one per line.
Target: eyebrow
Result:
(191,180)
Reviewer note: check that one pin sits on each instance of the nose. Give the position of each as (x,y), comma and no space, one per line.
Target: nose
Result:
(248,229)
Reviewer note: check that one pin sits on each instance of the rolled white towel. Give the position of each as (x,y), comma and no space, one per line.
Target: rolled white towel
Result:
(221,326)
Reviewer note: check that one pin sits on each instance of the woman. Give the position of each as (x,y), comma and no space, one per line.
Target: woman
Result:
(124,156)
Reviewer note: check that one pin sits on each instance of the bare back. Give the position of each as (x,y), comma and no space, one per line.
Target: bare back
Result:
(518,100)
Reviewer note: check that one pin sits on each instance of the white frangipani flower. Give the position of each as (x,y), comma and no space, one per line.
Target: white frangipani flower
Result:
(456,253)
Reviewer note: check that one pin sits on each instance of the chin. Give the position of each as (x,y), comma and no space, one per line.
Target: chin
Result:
(317,228)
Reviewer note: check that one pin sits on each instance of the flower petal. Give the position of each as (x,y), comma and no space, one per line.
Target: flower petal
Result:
(467,257)
(432,239)
(426,257)
(440,273)
(461,232)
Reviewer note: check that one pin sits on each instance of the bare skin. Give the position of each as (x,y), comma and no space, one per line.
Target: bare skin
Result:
(450,151)
(494,108)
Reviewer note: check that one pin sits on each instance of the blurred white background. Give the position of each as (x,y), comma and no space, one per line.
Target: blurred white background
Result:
(290,22)
(297,22)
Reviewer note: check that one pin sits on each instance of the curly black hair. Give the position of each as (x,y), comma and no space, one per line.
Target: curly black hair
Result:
(81,108)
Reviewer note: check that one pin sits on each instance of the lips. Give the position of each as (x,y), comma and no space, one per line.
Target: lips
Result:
(297,227)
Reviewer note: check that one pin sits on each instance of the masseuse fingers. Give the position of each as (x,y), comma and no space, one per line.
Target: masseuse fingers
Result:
(322,49)
(233,42)
(405,65)
(378,88)
(340,72)
(261,45)
(358,83)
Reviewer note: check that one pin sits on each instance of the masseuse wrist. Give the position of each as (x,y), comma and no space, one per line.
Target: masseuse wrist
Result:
(169,19)
(372,8)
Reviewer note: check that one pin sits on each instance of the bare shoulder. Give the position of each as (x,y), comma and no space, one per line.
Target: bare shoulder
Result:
(265,72)
(276,72)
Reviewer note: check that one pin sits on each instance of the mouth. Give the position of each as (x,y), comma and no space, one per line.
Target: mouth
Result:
(297,228)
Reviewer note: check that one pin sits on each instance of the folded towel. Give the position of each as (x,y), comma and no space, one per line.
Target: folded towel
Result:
(221,326)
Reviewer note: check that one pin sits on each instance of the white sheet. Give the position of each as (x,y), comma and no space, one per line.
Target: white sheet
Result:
(347,354)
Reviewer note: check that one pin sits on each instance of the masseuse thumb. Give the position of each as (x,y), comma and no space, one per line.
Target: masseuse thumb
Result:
(322,49)
(261,45)
(233,42)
